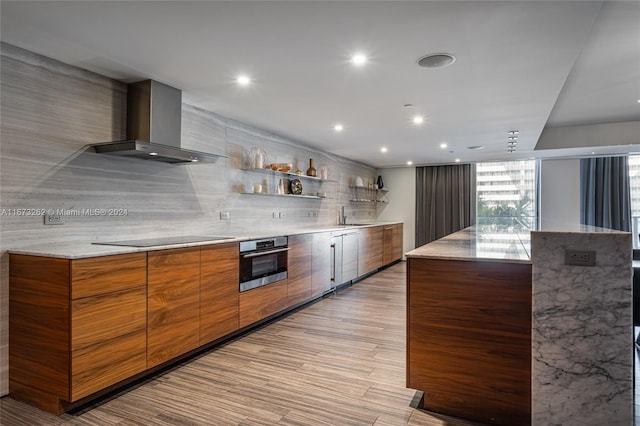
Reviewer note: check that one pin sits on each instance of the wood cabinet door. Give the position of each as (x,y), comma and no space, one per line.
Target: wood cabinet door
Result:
(320,263)
(299,269)
(369,250)
(219,291)
(261,302)
(104,317)
(396,244)
(108,339)
(469,338)
(99,275)
(387,244)
(173,303)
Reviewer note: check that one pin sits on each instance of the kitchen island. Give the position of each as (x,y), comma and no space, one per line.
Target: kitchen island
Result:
(501,331)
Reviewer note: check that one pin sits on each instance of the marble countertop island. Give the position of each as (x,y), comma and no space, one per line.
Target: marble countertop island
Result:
(509,244)
(577,347)
(482,242)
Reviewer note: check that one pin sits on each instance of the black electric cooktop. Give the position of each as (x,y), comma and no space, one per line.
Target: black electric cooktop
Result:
(162,241)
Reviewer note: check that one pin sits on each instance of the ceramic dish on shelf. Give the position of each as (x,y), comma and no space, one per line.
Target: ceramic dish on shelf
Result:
(282,167)
(359,181)
(296,187)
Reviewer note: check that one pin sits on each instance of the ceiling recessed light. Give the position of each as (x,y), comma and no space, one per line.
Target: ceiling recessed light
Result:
(153,153)
(243,80)
(383,149)
(436,60)
(338,127)
(476,147)
(359,59)
(457,160)
(443,145)
(418,119)
(409,163)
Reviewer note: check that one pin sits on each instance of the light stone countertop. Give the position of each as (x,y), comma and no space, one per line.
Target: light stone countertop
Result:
(494,243)
(482,243)
(84,249)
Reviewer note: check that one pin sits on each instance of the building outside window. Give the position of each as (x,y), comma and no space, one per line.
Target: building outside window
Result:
(507,201)
(506,193)
(634,182)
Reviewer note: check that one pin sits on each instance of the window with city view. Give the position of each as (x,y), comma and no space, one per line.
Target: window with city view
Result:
(506,193)
(634,182)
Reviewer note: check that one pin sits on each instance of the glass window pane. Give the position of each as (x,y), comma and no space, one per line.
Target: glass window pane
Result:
(506,193)
(634,182)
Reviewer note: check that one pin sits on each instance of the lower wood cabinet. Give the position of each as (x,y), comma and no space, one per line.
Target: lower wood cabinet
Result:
(173,303)
(299,269)
(392,243)
(77,327)
(219,295)
(469,338)
(370,251)
(70,336)
(108,340)
(104,364)
(262,302)
(397,242)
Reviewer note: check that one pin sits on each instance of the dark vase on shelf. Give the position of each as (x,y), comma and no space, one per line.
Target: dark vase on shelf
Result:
(311,171)
(380,183)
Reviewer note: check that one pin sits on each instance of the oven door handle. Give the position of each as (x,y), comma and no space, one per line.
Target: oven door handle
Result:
(260,253)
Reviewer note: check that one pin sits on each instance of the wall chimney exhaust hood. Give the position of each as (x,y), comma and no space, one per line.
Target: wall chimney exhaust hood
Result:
(154,122)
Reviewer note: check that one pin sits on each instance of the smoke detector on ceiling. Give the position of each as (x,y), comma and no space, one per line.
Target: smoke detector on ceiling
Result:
(436,60)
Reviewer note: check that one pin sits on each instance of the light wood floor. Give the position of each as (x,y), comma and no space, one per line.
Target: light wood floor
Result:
(340,361)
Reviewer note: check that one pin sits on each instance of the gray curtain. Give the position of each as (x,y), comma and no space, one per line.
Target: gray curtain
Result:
(605,196)
(445,200)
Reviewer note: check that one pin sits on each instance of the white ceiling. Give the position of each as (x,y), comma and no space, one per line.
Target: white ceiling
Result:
(520,64)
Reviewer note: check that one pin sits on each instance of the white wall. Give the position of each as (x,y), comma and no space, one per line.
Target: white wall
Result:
(401,183)
(559,192)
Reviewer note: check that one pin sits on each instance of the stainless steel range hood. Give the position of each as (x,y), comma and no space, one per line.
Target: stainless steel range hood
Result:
(154,122)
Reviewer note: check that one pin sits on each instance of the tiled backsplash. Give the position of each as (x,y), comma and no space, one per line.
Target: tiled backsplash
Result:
(51,111)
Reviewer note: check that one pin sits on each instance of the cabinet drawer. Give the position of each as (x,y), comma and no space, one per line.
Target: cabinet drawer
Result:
(98,275)
(262,302)
(99,318)
(95,367)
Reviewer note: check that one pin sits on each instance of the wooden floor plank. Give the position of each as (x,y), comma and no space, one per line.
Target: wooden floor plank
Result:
(340,361)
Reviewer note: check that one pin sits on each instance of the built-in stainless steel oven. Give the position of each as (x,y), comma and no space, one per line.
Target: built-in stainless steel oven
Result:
(262,262)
